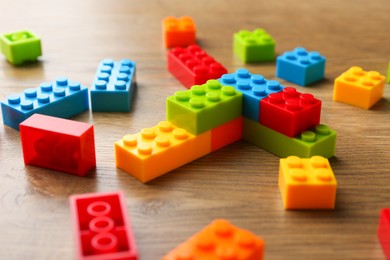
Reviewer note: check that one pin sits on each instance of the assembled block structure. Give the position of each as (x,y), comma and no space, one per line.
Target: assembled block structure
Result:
(20,47)
(359,88)
(113,86)
(101,227)
(220,240)
(211,116)
(61,98)
(193,66)
(178,32)
(58,144)
(307,183)
(384,231)
(254,46)
(300,66)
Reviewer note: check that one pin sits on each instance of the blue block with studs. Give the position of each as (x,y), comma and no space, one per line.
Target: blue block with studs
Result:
(300,66)
(61,98)
(113,87)
(254,87)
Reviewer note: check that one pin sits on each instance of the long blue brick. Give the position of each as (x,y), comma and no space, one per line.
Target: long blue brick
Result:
(254,88)
(61,98)
(113,86)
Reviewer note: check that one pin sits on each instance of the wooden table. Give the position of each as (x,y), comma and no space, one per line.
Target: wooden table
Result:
(238,182)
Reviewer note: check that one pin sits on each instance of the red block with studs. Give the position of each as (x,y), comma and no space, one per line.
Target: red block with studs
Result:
(101,227)
(193,66)
(226,134)
(58,144)
(290,112)
(220,240)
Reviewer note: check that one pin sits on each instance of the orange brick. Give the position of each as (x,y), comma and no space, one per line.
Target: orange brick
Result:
(359,88)
(178,32)
(307,183)
(219,241)
(158,150)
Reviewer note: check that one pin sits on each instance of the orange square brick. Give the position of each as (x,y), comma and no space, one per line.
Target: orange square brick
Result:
(178,32)
(307,183)
(359,88)
(218,241)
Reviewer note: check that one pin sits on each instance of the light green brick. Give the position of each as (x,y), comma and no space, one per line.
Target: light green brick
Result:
(318,141)
(204,107)
(388,74)
(254,46)
(20,47)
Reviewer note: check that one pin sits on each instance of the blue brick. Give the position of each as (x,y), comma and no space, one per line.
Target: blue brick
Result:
(113,86)
(300,66)
(61,98)
(254,88)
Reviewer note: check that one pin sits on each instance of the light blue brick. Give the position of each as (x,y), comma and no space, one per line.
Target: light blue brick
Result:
(300,66)
(254,87)
(61,98)
(113,86)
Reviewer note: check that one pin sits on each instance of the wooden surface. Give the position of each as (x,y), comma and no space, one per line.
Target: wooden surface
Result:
(239,182)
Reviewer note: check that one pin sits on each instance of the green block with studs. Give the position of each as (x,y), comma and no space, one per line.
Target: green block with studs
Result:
(318,141)
(255,46)
(204,107)
(20,47)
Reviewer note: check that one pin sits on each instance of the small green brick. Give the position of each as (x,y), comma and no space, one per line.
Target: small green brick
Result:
(388,74)
(254,46)
(20,47)
(204,107)
(318,141)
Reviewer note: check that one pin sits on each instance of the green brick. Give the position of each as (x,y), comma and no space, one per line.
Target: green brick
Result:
(388,74)
(254,46)
(204,107)
(318,141)
(20,47)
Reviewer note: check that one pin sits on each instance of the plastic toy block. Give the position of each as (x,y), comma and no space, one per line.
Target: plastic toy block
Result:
(307,183)
(359,88)
(384,231)
(58,144)
(253,87)
(20,47)
(300,66)
(158,150)
(178,32)
(61,98)
(101,227)
(113,87)
(193,66)
(290,112)
(320,140)
(220,240)
(226,134)
(388,74)
(254,46)
(204,107)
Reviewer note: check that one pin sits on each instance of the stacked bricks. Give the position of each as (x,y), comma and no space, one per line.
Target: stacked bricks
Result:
(280,119)
(197,122)
(193,66)
(113,86)
(61,98)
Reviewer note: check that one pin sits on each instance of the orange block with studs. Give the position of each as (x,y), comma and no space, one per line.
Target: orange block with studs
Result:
(359,88)
(219,241)
(178,32)
(159,149)
(307,183)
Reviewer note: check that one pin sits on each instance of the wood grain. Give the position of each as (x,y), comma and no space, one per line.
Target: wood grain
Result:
(238,182)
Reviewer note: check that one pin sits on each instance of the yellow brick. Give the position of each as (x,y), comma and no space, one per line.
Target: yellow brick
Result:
(307,183)
(359,88)
(159,149)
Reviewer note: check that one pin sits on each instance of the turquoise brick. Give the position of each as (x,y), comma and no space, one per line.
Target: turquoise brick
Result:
(318,141)
(20,47)
(113,87)
(204,107)
(254,46)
